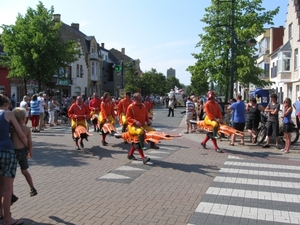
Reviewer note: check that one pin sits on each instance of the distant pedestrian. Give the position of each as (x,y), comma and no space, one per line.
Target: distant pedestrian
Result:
(296,106)
(23,150)
(189,111)
(287,126)
(25,105)
(171,106)
(13,101)
(35,112)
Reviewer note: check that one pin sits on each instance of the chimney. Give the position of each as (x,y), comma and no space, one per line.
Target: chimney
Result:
(102,45)
(75,26)
(123,51)
(56,17)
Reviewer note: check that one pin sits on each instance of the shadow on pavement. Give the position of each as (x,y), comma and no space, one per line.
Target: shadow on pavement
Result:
(189,168)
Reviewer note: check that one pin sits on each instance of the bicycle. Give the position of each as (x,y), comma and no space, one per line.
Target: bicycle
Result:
(262,131)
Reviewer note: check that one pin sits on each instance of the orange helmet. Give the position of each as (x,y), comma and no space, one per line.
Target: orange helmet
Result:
(210,94)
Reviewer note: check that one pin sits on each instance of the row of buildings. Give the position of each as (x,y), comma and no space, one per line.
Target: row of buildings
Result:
(278,55)
(94,71)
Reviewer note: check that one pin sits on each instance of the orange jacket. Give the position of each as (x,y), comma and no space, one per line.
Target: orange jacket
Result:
(95,104)
(137,112)
(148,104)
(79,111)
(212,110)
(123,105)
(107,109)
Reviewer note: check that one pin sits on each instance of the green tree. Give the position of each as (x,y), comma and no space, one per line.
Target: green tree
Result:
(153,83)
(213,61)
(132,78)
(35,48)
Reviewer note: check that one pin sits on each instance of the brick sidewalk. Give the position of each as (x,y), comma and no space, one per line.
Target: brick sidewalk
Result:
(71,191)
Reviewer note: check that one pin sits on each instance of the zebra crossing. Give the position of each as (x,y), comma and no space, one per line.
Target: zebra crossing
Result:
(129,172)
(249,192)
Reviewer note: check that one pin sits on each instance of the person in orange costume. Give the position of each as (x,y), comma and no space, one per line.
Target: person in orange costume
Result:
(94,106)
(122,108)
(149,105)
(107,114)
(78,113)
(139,122)
(213,118)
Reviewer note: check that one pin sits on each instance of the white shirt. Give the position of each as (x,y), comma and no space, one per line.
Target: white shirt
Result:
(23,105)
(297,106)
(42,104)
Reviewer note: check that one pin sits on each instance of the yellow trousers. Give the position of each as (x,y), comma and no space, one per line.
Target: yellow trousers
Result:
(135,130)
(101,121)
(213,123)
(75,123)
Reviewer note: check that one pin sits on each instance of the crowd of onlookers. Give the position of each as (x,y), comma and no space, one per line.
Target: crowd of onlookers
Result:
(243,116)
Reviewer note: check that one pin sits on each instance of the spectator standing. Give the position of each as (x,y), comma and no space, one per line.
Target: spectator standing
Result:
(273,124)
(189,110)
(287,124)
(42,110)
(13,101)
(253,118)
(23,150)
(51,109)
(201,109)
(56,111)
(296,106)
(25,105)
(8,161)
(171,106)
(238,118)
(35,112)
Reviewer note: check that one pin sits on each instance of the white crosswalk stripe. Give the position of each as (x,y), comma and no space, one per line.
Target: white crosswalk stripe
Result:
(247,192)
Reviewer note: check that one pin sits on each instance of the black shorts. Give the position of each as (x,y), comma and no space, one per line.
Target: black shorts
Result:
(272,128)
(238,126)
(252,125)
(21,155)
(287,127)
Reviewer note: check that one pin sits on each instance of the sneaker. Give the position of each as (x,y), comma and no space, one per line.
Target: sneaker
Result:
(219,150)
(266,146)
(282,150)
(131,157)
(285,152)
(154,147)
(144,148)
(145,160)
(104,143)
(203,145)
(33,192)
(81,145)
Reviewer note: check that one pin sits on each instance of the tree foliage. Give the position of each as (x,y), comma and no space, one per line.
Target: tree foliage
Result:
(150,83)
(34,47)
(213,60)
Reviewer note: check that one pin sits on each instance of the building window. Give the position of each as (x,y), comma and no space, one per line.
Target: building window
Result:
(93,48)
(77,70)
(290,30)
(93,69)
(2,90)
(296,59)
(286,65)
(81,71)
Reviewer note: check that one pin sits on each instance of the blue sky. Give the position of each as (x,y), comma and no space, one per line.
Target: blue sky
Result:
(161,33)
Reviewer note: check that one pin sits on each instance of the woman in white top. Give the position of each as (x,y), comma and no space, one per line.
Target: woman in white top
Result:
(24,105)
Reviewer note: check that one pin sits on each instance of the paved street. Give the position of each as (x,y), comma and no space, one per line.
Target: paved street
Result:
(182,184)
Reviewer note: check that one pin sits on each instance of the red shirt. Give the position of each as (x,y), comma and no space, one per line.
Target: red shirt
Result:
(137,112)
(80,111)
(107,109)
(123,105)
(148,104)
(95,104)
